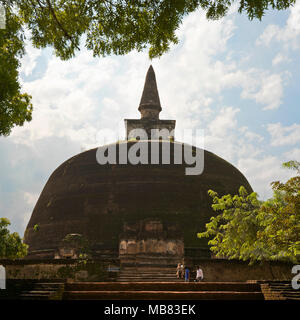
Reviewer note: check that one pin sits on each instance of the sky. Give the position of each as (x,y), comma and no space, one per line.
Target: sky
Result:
(236,79)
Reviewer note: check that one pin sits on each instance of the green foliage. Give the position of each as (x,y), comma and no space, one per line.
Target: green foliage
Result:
(111,27)
(254,9)
(234,231)
(107,26)
(15,107)
(118,27)
(280,217)
(249,229)
(11,246)
(294,165)
(36,228)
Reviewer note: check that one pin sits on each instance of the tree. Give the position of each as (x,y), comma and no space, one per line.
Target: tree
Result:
(108,27)
(233,233)
(11,246)
(15,107)
(280,217)
(249,229)
(120,26)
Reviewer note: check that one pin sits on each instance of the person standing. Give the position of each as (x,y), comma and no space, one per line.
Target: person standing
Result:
(2,277)
(199,274)
(178,271)
(182,271)
(187,274)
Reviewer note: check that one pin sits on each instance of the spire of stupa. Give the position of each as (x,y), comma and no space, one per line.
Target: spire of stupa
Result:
(150,104)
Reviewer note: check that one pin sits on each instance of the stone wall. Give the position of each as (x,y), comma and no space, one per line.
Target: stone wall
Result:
(98,270)
(233,270)
(59,269)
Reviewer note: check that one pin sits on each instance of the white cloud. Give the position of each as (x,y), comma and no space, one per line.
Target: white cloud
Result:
(271,92)
(264,88)
(268,35)
(293,154)
(29,60)
(293,22)
(281,135)
(224,121)
(65,99)
(261,171)
(249,135)
(24,171)
(287,37)
(288,34)
(280,58)
(31,198)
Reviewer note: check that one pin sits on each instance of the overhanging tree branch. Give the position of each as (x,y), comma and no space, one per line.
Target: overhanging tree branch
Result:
(61,27)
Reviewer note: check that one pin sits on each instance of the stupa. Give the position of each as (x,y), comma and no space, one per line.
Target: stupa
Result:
(134,212)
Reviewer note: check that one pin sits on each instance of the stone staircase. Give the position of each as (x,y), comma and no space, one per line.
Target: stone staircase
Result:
(279,290)
(44,291)
(162,291)
(148,274)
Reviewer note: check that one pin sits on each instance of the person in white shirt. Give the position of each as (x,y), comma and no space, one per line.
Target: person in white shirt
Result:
(199,275)
(2,277)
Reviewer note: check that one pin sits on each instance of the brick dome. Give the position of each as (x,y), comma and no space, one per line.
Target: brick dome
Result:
(84,197)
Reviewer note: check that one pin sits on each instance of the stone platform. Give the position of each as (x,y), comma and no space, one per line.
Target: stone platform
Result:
(252,290)
(145,291)
(162,291)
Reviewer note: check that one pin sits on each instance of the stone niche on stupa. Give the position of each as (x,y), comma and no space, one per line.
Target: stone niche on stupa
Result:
(152,241)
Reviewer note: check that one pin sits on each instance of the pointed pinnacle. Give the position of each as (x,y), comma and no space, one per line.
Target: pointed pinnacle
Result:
(150,97)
